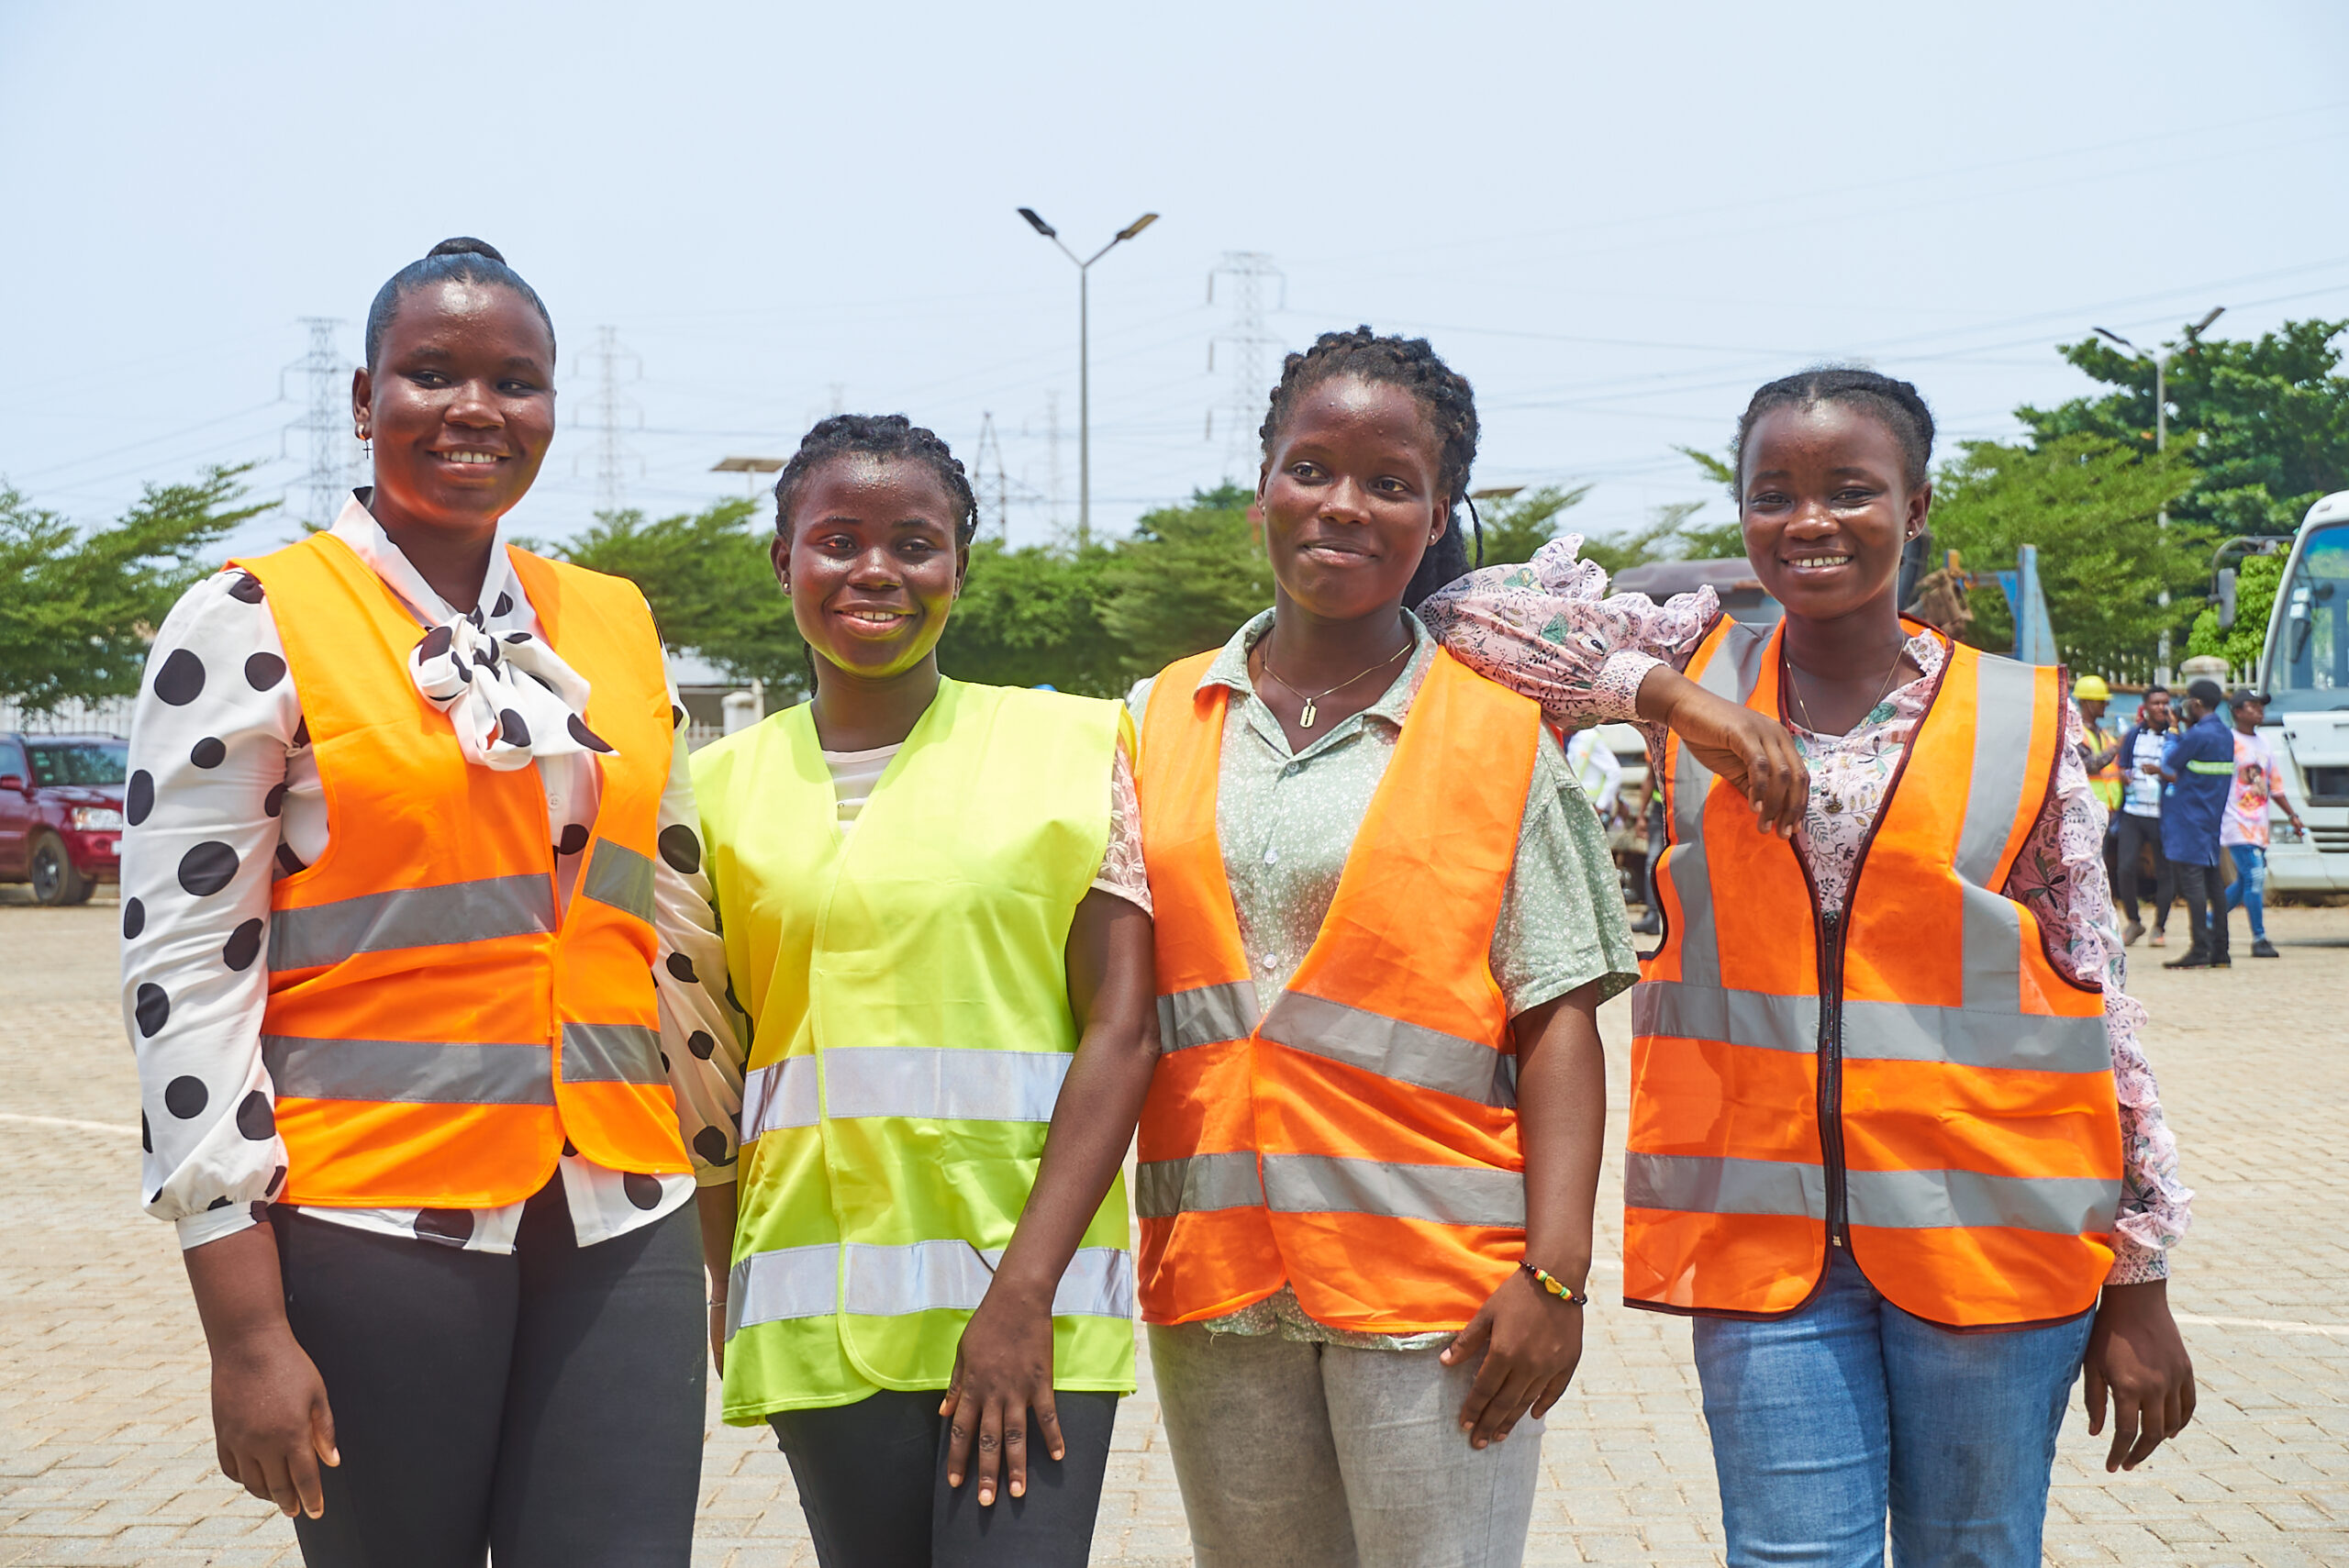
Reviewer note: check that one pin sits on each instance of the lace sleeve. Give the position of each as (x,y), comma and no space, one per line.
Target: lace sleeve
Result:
(1550,629)
(1121,872)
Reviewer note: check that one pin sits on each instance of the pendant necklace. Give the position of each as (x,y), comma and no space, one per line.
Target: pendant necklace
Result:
(1803,708)
(1305,720)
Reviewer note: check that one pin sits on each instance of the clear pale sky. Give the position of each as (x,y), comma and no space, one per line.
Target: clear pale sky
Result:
(1616,220)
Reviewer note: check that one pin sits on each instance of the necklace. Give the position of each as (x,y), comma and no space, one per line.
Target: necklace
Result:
(1803,707)
(1305,720)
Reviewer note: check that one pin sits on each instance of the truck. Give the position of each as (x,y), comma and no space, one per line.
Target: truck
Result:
(2304,669)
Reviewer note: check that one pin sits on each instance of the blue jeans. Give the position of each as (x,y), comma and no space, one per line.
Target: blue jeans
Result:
(2249,887)
(1826,1420)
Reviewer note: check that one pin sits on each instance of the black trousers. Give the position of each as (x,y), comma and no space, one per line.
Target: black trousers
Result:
(545,1405)
(2131,831)
(872,1479)
(2204,890)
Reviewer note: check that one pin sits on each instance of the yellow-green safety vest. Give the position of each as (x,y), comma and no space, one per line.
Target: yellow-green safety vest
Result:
(907,984)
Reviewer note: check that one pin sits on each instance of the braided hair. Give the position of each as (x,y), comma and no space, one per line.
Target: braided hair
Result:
(462,259)
(1895,404)
(883,435)
(1450,403)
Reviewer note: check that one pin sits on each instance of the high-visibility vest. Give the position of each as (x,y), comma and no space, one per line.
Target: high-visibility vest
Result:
(2107,782)
(435,1027)
(1910,1076)
(1357,1140)
(907,983)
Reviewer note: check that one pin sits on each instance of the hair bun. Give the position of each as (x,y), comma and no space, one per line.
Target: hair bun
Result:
(465,245)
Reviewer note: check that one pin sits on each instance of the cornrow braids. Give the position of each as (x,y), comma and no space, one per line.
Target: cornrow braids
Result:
(1411,364)
(1896,405)
(884,436)
(462,260)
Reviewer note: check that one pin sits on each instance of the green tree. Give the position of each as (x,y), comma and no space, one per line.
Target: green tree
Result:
(1516,526)
(2091,507)
(1032,616)
(711,586)
(2257,578)
(2264,424)
(1185,580)
(78,610)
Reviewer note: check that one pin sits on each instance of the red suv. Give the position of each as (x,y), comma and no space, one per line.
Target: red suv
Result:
(60,813)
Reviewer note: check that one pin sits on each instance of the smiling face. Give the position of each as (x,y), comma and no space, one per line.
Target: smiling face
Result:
(1350,497)
(460,404)
(1827,508)
(871,562)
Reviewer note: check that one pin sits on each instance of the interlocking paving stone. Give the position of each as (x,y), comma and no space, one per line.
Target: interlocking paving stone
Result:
(105,1446)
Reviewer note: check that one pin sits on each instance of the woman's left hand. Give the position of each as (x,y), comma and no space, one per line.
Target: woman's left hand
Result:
(1003,1368)
(1532,1342)
(2136,1355)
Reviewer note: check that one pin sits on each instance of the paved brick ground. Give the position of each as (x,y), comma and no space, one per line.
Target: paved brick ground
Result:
(105,1454)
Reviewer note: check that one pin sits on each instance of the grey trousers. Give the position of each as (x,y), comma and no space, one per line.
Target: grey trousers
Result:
(1294,1455)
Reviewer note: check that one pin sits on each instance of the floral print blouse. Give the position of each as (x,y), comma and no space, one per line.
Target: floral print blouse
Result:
(1549,629)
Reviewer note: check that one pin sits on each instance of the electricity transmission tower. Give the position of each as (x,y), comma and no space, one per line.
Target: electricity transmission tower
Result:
(334,453)
(1250,281)
(614,414)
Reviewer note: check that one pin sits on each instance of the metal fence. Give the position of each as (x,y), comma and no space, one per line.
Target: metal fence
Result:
(110,717)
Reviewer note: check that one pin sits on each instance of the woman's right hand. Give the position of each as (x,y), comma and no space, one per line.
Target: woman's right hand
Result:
(270,1420)
(1750,751)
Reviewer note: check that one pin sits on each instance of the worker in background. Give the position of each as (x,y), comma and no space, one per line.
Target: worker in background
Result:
(1597,769)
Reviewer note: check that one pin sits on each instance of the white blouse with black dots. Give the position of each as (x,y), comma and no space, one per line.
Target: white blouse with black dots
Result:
(224,797)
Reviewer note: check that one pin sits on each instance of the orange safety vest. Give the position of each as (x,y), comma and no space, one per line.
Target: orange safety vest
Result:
(436,1028)
(1949,1115)
(1357,1140)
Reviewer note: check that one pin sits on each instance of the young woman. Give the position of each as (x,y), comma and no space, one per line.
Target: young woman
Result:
(1386,916)
(1893,1141)
(411,912)
(936,914)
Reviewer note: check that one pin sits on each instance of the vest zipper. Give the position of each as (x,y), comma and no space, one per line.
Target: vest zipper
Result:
(1830,1069)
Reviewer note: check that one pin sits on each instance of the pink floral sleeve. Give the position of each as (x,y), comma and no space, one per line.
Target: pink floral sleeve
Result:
(1549,629)
(2060,877)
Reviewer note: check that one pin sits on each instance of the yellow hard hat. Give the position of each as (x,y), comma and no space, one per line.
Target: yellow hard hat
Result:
(2091,688)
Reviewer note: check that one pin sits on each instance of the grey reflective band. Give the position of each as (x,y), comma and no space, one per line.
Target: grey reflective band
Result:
(895,1282)
(481,911)
(1207,1016)
(1692,1184)
(1917,1200)
(1971,1036)
(1446,1195)
(944,1085)
(409,1072)
(1199,1183)
(781,1093)
(1408,1054)
(620,877)
(2201,767)
(2002,719)
(611,1053)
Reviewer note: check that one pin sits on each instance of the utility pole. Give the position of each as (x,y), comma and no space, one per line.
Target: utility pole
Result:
(1251,276)
(987,481)
(1085,357)
(2161,359)
(613,413)
(333,449)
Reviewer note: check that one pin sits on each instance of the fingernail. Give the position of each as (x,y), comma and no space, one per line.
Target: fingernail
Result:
(987,1499)
(952,1479)
(1019,1488)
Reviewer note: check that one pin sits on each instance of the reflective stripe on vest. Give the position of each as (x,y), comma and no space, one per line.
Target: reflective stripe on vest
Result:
(315,935)
(1425,1058)
(620,877)
(612,1053)
(409,1072)
(1954,1037)
(905,1081)
(894,1282)
(1320,1184)
(1207,1015)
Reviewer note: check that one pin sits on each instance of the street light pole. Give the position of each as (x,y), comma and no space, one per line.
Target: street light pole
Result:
(1084,356)
(2161,359)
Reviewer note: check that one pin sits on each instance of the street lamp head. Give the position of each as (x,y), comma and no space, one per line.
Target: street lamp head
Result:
(1038,223)
(2204,325)
(2107,332)
(1137,226)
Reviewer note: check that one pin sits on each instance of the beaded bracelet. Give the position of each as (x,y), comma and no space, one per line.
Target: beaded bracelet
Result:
(1555,1285)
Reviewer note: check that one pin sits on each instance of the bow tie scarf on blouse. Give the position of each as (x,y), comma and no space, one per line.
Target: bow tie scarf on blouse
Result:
(511,701)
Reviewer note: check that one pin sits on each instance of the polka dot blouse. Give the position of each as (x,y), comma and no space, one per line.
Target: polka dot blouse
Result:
(224,797)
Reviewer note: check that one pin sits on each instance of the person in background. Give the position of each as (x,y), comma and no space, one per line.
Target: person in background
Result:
(2099,751)
(2139,826)
(412,915)
(2259,780)
(2199,772)
(1892,1140)
(1595,767)
(936,913)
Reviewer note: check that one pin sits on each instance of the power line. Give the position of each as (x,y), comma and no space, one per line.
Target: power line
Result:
(333,450)
(614,414)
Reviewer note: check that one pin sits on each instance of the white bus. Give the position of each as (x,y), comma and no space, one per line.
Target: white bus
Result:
(2305,670)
